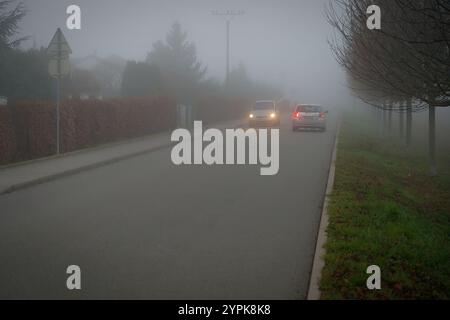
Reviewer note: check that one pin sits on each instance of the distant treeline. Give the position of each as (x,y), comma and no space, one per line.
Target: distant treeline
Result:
(171,69)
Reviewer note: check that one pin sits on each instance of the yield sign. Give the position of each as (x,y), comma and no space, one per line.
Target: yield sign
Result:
(59,51)
(58,67)
(59,47)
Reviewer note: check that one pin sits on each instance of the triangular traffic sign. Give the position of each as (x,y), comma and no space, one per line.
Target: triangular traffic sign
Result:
(59,45)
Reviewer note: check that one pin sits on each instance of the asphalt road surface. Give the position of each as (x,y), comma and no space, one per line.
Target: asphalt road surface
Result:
(144,228)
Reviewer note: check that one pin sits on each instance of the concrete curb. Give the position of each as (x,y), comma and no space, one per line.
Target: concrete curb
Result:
(68,172)
(73,171)
(84,150)
(318,262)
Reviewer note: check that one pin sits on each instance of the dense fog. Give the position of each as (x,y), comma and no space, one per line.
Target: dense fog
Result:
(280,43)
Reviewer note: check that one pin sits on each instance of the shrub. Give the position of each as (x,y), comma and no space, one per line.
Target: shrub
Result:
(8,147)
(28,130)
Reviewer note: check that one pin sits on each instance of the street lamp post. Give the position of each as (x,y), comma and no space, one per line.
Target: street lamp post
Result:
(229,15)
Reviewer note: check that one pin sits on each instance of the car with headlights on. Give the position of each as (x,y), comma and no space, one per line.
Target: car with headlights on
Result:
(264,113)
(310,116)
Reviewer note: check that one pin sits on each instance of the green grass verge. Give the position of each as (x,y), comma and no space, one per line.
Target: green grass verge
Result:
(386,210)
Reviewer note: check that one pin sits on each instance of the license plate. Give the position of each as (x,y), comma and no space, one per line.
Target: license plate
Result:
(310,114)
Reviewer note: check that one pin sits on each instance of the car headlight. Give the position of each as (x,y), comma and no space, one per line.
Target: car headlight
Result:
(273,115)
(251,115)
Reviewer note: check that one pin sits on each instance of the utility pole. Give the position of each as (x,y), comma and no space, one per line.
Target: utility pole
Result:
(228,52)
(229,15)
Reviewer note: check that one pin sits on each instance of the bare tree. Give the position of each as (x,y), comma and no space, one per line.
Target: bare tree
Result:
(407,60)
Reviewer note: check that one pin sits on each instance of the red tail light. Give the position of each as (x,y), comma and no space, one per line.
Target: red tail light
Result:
(322,115)
(296,115)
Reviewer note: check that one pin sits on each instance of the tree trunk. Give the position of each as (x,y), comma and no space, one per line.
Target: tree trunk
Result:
(432,140)
(380,122)
(401,119)
(384,116)
(390,120)
(408,123)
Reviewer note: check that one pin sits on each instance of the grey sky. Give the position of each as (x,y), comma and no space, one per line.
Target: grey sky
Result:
(279,41)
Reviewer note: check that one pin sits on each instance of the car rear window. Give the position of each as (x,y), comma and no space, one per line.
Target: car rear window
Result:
(308,109)
(264,105)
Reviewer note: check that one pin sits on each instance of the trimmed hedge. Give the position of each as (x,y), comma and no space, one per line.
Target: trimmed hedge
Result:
(27,130)
(8,144)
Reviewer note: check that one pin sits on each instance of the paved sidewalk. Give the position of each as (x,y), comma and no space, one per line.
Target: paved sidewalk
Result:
(26,174)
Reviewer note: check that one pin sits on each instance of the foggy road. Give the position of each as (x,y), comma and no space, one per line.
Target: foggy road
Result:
(144,228)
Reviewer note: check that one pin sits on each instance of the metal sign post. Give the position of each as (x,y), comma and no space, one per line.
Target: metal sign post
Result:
(59,66)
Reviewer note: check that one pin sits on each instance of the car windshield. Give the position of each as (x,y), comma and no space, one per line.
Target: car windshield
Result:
(264,105)
(309,109)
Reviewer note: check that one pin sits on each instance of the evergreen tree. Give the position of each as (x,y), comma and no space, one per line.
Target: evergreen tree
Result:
(25,76)
(9,21)
(177,59)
